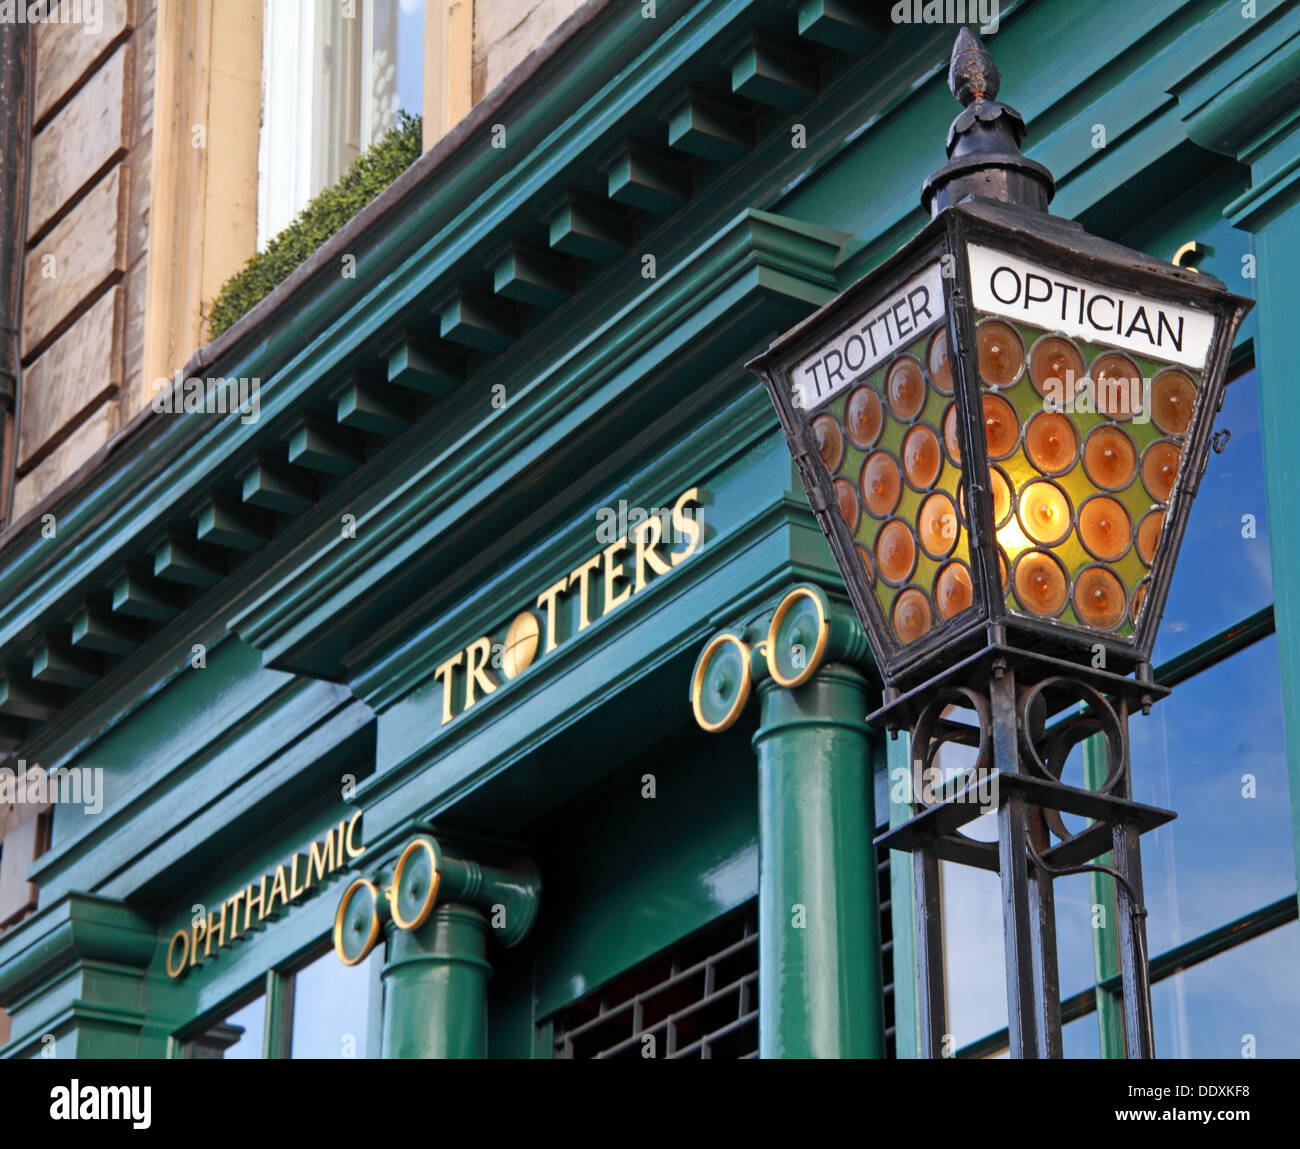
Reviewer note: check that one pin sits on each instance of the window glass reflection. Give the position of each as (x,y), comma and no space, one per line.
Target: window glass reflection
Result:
(331,1008)
(238,1036)
(1242,1003)
(1214,752)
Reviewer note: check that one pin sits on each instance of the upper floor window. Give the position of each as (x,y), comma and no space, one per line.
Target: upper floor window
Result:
(335,74)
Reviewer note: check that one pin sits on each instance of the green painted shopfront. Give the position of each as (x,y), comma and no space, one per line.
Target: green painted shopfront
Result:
(392,691)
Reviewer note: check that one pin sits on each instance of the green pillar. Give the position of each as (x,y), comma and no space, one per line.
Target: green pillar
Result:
(435,987)
(436,909)
(820,991)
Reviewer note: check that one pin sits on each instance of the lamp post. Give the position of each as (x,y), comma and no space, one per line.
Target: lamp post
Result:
(1001,431)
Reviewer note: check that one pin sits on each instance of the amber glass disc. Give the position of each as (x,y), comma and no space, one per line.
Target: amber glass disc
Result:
(1116,385)
(830,443)
(1160,468)
(936,525)
(1040,583)
(937,360)
(1002,566)
(1099,598)
(1001,496)
(1056,369)
(1110,458)
(863,417)
(895,551)
(1105,527)
(1051,442)
(1001,353)
(847,501)
(950,433)
(1139,597)
(952,590)
(865,560)
(1044,512)
(905,388)
(1149,535)
(921,457)
(1173,395)
(911,615)
(881,483)
(1001,428)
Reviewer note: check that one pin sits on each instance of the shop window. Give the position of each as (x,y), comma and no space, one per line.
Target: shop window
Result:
(240,1035)
(331,1007)
(697,999)
(1220,880)
(334,77)
(1242,1003)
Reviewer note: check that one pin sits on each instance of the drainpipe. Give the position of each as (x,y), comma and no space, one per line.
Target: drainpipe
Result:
(15,141)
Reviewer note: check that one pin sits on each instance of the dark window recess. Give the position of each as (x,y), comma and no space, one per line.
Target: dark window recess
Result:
(697,999)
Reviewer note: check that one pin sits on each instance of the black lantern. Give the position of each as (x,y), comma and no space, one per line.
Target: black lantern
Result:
(1001,430)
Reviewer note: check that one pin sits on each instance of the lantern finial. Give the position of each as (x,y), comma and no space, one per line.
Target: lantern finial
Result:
(984,140)
(972,75)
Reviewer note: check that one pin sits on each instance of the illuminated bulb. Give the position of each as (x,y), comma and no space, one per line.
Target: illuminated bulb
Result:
(1001,353)
(847,502)
(952,590)
(911,615)
(1116,385)
(1110,458)
(921,456)
(937,525)
(1044,512)
(1149,535)
(1040,583)
(905,388)
(1051,442)
(863,417)
(881,484)
(1099,598)
(1056,369)
(1160,468)
(895,551)
(937,360)
(1105,527)
(829,441)
(1001,428)
(1173,395)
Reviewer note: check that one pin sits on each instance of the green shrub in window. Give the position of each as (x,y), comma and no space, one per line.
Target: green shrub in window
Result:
(366,177)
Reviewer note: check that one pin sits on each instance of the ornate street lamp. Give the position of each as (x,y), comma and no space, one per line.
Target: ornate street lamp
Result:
(1001,431)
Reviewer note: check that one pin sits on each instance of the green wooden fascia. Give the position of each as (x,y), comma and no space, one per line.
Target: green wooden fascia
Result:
(779,269)
(621,659)
(225,793)
(77,928)
(430,238)
(1237,94)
